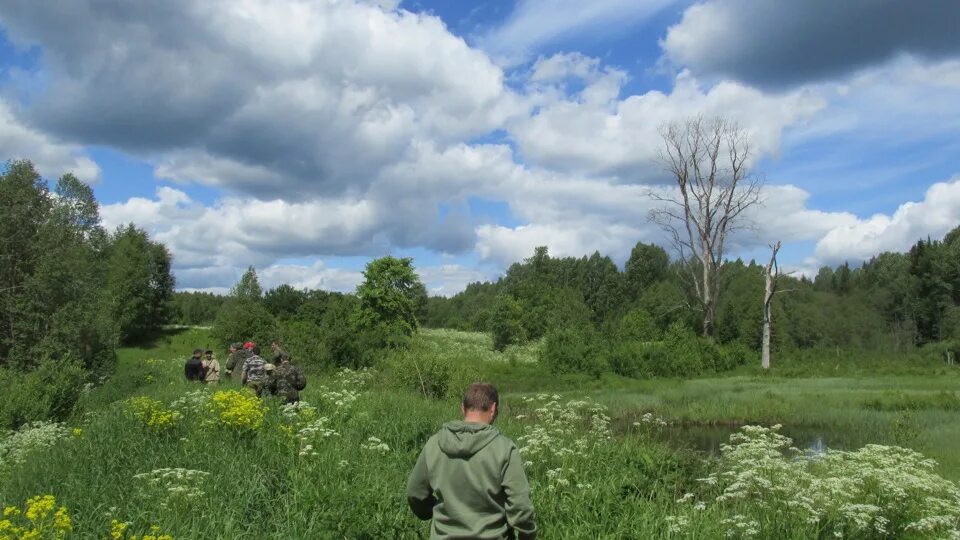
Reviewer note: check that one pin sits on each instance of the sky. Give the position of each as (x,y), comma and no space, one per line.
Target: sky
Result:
(307,137)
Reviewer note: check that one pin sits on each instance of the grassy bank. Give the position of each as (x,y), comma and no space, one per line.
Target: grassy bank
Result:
(149,449)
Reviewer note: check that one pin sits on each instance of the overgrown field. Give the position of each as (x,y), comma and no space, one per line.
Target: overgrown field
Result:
(151,455)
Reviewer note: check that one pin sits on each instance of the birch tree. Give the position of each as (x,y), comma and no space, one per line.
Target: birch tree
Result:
(713,187)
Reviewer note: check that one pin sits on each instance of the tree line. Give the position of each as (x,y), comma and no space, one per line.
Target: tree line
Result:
(70,292)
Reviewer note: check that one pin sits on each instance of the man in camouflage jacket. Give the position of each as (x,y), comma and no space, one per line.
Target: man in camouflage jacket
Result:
(287,380)
(254,372)
(236,358)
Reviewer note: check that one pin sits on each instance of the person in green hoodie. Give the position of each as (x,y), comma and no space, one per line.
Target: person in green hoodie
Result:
(469,478)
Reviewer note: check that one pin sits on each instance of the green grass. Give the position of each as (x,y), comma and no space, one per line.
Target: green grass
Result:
(260,486)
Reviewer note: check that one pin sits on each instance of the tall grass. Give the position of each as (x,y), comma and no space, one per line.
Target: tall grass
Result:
(337,468)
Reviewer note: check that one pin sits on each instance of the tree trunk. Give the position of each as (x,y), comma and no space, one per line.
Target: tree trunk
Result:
(770,274)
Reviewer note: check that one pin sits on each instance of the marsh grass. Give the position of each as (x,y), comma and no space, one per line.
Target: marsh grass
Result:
(589,479)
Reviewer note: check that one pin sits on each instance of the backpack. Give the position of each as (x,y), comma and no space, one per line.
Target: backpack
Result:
(299,381)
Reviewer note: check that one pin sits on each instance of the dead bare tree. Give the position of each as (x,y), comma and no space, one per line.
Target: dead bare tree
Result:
(771,273)
(709,162)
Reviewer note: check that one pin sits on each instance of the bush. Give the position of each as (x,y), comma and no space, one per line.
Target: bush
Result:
(573,350)
(684,349)
(429,370)
(49,392)
(242,320)
(638,325)
(505,322)
(630,359)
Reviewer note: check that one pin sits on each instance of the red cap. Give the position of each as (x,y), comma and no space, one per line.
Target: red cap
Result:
(249,345)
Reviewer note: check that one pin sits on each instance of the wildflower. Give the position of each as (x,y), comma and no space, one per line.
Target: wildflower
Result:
(40,518)
(152,413)
(238,410)
(77,432)
(33,437)
(376,445)
(173,487)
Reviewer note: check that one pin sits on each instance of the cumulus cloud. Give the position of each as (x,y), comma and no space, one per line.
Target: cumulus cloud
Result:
(537,22)
(594,131)
(770,43)
(934,216)
(270,98)
(51,157)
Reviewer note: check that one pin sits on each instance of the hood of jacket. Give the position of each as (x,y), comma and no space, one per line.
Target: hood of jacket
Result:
(464,439)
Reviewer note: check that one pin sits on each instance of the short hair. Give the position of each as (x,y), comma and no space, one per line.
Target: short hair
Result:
(480,397)
(255,350)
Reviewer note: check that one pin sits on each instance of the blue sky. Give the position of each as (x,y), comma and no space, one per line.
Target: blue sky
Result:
(307,137)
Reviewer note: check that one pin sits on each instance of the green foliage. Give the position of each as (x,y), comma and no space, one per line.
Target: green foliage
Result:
(637,325)
(284,301)
(573,350)
(195,308)
(647,265)
(505,324)
(139,284)
(389,298)
(248,288)
(241,320)
(48,392)
(428,369)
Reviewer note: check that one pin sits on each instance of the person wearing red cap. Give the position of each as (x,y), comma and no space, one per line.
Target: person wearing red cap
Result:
(249,345)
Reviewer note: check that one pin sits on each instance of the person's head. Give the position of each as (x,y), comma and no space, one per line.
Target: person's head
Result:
(249,345)
(209,354)
(285,358)
(197,353)
(269,368)
(255,350)
(274,345)
(480,403)
(236,346)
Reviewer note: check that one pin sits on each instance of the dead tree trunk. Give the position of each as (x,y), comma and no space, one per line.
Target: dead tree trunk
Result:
(712,189)
(771,273)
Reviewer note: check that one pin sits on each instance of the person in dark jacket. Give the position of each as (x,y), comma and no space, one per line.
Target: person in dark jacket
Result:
(193,369)
(469,478)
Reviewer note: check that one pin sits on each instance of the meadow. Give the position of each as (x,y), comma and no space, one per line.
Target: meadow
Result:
(149,456)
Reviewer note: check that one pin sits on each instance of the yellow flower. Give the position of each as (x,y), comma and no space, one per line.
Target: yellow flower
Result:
(77,432)
(152,413)
(39,507)
(37,521)
(239,410)
(62,521)
(118,530)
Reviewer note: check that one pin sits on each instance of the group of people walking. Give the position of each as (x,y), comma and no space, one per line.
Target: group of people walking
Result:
(279,378)
(468,479)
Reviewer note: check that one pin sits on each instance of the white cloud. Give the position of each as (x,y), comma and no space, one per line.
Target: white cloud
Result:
(934,216)
(449,279)
(271,98)
(596,132)
(51,158)
(315,276)
(538,22)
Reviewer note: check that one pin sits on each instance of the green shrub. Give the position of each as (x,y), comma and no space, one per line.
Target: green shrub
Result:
(242,320)
(429,370)
(638,325)
(685,352)
(573,350)
(505,322)
(632,359)
(49,392)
